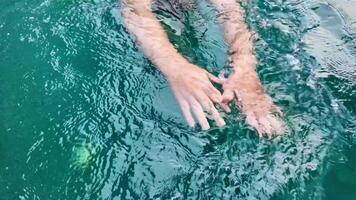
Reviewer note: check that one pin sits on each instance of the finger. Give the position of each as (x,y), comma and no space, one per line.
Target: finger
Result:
(186,112)
(216,116)
(277,125)
(204,101)
(225,107)
(266,126)
(215,79)
(208,106)
(199,114)
(252,121)
(216,97)
(228,96)
(214,94)
(276,109)
(238,99)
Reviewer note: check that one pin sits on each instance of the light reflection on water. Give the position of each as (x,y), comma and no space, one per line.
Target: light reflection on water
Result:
(84,114)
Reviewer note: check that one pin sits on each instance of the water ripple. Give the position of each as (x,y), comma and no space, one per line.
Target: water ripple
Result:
(105,123)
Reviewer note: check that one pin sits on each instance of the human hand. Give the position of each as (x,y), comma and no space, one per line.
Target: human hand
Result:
(255,104)
(195,93)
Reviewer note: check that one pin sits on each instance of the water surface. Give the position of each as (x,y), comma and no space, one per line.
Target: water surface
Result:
(83,114)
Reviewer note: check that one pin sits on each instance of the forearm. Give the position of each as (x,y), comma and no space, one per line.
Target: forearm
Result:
(149,35)
(236,34)
(244,82)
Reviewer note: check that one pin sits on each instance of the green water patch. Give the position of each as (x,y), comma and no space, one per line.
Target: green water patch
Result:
(83,155)
(340,180)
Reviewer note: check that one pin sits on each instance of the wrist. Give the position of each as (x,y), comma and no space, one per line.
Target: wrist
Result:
(247,82)
(171,66)
(243,64)
(244,60)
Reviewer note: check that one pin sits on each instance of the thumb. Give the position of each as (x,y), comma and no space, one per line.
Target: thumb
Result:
(215,79)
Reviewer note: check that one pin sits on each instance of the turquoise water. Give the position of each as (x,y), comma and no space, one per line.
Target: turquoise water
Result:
(83,115)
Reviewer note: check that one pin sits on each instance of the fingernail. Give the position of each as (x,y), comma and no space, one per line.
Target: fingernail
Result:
(191,125)
(221,123)
(228,110)
(205,128)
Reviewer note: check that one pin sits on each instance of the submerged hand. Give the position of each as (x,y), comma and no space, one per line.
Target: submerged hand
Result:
(195,93)
(254,103)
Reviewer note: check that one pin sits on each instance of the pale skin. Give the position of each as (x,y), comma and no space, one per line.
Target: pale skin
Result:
(193,86)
